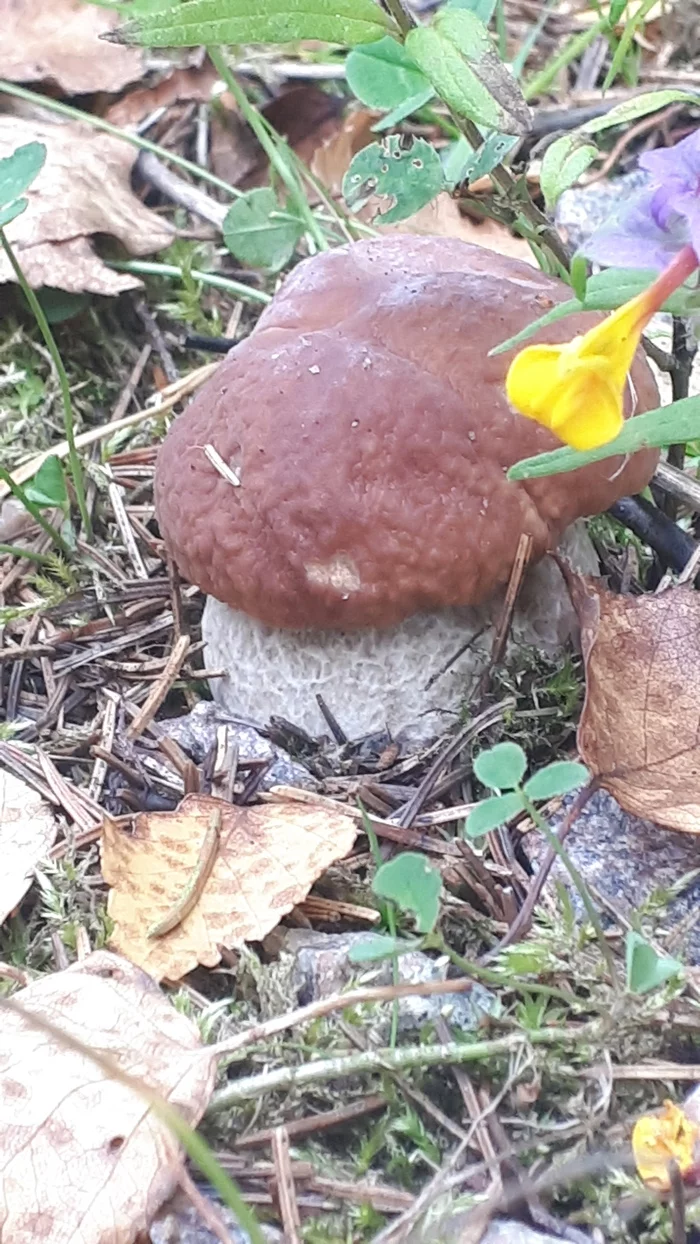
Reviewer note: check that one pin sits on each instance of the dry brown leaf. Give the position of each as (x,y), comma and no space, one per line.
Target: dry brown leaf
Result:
(83,189)
(182,85)
(443,217)
(27,833)
(269,857)
(640,727)
(60,40)
(331,160)
(83,1158)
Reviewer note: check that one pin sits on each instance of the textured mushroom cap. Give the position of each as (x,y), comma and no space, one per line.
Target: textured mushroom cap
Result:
(370,433)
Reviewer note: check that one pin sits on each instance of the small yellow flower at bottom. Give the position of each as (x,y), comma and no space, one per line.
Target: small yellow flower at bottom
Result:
(577,389)
(658,1139)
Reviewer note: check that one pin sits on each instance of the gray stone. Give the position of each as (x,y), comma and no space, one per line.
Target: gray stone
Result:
(322,968)
(195,733)
(451,1226)
(179,1222)
(628,860)
(583,209)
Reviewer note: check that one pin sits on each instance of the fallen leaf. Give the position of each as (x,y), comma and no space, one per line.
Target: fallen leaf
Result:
(60,41)
(181,86)
(640,728)
(83,189)
(27,833)
(331,160)
(269,857)
(443,217)
(83,1158)
(662,1138)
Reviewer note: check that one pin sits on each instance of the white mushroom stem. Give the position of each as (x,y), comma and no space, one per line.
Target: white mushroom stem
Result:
(377,679)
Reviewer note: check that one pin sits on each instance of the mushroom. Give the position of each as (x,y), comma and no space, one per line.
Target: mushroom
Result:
(338,487)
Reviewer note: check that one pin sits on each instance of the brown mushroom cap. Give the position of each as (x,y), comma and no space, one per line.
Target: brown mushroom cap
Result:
(371,434)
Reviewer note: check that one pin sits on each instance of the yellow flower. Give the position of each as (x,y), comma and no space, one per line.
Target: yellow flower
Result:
(577,389)
(658,1139)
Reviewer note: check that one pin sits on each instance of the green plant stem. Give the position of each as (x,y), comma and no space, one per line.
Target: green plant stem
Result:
(403,1059)
(97,123)
(264,136)
(14,550)
(556,846)
(491,976)
(142,267)
(33,509)
(575,47)
(76,467)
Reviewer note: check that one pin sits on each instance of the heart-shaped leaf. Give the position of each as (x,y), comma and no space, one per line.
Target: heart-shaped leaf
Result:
(501,767)
(413,884)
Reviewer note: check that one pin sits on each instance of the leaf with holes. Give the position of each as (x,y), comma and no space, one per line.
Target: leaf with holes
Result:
(501,767)
(646,969)
(456,54)
(414,885)
(196,22)
(406,178)
(261,232)
(17,172)
(492,813)
(564,162)
(383,76)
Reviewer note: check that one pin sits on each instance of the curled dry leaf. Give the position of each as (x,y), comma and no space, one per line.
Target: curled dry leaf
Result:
(82,1157)
(193,85)
(640,727)
(268,859)
(83,189)
(61,41)
(442,217)
(27,832)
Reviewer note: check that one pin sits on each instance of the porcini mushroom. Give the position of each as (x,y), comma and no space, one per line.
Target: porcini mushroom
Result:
(356,500)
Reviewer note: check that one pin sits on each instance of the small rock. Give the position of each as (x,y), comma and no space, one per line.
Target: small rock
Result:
(583,209)
(196,734)
(627,860)
(322,968)
(179,1222)
(451,1227)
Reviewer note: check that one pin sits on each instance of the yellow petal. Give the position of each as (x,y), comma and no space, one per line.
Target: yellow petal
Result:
(532,376)
(662,1138)
(588,407)
(617,337)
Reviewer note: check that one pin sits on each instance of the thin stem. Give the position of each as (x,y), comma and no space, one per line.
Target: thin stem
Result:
(491,976)
(76,467)
(556,846)
(14,550)
(97,123)
(143,267)
(403,1059)
(269,146)
(683,349)
(32,508)
(571,50)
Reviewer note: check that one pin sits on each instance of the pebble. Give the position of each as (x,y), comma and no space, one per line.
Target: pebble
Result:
(322,968)
(196,735)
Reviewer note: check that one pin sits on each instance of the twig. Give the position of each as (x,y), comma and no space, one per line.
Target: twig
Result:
(286,1192)
(180,191)
(500,639)
(404,1059)
(322,1122)
(207,1210)
(160,688)
(679,485)
(677,1203)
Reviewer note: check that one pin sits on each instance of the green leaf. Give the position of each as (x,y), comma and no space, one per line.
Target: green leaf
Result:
(58,305)
(483,9)
(196,22)
(668,425)
(556,779)
(377,946)
(259,232)
(579,276)
(501,767)
(414,885)
(383,76)
(645,969)
(48,486)
(408,176)
(604,292)
(492,813)
(17,172)
(456,54)
(638,106)
(564,162)
(406,109)
(617,8)
(463,164)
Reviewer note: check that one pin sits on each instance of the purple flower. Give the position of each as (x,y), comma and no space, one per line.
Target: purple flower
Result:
(654,224)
